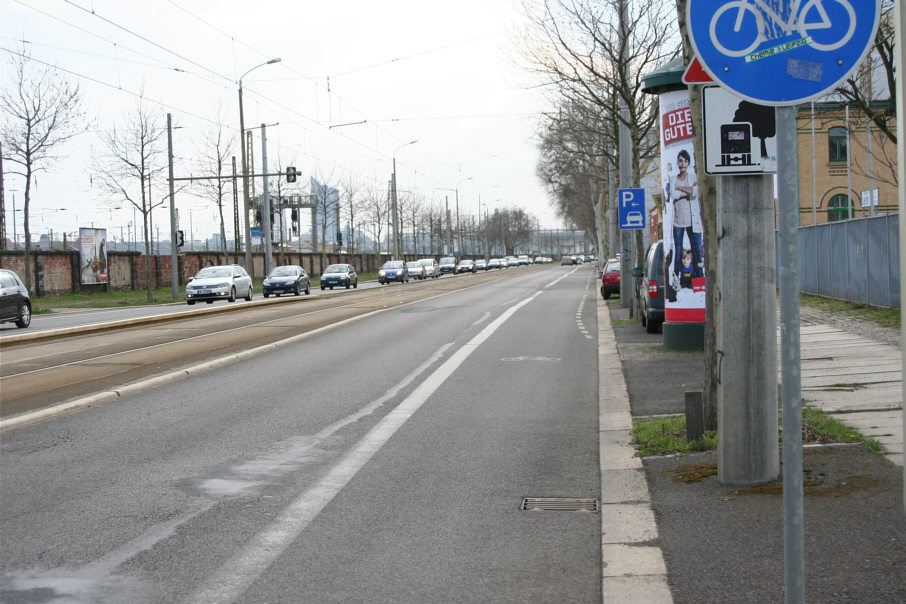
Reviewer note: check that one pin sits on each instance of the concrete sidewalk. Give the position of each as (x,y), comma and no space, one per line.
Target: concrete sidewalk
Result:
(853,378)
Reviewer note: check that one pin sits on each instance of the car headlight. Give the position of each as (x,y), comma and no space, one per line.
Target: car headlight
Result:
(381,273)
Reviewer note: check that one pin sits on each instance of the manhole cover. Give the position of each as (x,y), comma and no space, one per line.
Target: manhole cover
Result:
(559,504)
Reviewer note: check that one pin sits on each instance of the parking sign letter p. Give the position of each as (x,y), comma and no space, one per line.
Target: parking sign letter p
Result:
(626,197)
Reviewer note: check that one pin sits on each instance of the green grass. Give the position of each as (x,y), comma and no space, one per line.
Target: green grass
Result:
(667,435)
(117,298)
(886,317)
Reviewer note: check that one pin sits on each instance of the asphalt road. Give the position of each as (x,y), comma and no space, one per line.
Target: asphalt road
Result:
(383,459)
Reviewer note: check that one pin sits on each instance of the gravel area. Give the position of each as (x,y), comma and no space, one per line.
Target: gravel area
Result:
(868,329)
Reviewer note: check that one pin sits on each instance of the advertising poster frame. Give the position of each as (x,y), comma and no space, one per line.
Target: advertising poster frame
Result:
(684,270)
(92,256)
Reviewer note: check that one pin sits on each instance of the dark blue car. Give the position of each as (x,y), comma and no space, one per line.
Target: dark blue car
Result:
(393,270)
(339,275)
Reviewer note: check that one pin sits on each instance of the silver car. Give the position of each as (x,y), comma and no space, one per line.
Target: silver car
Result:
(225,282)
(432,271)
(416,269)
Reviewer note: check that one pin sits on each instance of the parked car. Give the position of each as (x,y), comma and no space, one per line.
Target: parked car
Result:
(465,266)
(224,282)
(523,260)
(286,279)
(432,271)
(447,265)
(495,263)
(416,270)
(339,274)
(566,261)
(481,265)
(650,287)
(15,303)
(393,270)
(610,280)
(512,261)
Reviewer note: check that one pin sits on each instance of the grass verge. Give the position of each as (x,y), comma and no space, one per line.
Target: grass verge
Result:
(117,298)
(667,435)
(886,317)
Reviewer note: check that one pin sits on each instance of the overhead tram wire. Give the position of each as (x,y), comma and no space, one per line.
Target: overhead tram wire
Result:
(149,41)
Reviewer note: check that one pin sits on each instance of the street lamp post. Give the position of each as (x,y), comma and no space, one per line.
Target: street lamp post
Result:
(393,205)
(245,171)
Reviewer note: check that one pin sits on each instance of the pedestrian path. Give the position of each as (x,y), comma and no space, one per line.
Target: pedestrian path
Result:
(856,380)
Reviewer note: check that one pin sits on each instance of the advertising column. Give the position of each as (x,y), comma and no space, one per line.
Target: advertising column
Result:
(93,256)
(684,270)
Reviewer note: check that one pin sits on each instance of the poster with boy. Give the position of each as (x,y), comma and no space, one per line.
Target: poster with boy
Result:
(684,290)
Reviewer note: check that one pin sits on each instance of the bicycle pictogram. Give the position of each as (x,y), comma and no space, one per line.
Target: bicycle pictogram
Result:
(824,25)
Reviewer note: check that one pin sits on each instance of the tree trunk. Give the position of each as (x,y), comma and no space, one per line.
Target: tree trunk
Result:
(708,199)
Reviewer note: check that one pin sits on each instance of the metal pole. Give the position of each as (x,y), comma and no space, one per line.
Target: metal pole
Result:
(790,365)
(245,188)
(849,171)
(393,213)
(814,172)
(900,59)
(266,210)
(174,253)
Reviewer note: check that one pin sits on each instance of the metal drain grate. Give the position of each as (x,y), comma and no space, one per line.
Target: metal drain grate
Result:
(559,504)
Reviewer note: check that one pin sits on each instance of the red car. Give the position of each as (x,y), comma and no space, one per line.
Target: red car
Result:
(610,280)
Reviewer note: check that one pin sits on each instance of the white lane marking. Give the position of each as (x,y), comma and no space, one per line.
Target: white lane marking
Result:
(232,579)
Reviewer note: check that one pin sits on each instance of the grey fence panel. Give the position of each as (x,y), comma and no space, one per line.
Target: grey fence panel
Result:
(855,260)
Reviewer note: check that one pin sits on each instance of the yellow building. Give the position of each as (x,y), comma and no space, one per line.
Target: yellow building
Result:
(841,157)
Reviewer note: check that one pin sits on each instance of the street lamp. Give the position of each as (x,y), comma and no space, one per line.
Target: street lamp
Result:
(458,226)
(393,206)
(245,171)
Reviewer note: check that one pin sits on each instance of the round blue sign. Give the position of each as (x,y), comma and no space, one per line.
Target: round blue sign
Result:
(782,52)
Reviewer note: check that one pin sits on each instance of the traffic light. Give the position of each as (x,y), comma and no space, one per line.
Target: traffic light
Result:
(291,174)
(180,239)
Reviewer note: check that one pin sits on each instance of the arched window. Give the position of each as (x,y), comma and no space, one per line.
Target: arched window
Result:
(837,208)
(837,144)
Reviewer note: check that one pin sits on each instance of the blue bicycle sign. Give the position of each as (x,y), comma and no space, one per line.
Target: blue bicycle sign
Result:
(782,52)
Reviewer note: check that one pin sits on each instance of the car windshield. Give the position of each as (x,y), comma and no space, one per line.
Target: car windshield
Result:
(283,271)
(213,272)
(393,264)
(336,268)
(466,262)
(427,262)
(447,261)
(414,264)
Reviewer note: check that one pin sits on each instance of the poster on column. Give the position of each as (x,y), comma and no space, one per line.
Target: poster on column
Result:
(93,256)
(684,270)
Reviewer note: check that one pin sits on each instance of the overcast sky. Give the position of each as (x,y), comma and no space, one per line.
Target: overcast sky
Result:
(441,73)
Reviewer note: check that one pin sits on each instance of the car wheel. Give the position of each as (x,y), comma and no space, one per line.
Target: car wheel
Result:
(190,302)
(251,293)
(651,327)
(296,290)
(323,287)
(604,294)
(209,301)
(307,289)
(267,295)
(347,285)
(24,319)
(331,288)
(356,284)
(232,297)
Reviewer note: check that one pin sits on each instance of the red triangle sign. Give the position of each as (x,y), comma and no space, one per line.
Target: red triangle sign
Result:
(696,74)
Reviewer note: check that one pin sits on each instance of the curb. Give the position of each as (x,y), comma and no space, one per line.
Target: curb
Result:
(632,569)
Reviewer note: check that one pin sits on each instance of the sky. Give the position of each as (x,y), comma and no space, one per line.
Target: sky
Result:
(444,74)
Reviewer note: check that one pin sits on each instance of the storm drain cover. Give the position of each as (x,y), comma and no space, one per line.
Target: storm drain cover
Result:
(559,504)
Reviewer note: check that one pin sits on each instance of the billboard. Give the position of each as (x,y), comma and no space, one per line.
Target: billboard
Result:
(684,290)
(92,256)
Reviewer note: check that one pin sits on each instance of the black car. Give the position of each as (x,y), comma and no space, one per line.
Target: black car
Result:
(287,279)
(339,274)
(447,265)
(650,287)
(15,303)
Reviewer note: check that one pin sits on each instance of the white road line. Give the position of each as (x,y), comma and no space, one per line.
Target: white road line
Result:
(234,577)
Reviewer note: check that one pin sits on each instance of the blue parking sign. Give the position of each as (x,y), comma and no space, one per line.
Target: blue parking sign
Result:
(631,206)
(782,52)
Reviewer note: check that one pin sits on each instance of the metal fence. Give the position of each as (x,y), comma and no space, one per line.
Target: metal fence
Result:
(855,260)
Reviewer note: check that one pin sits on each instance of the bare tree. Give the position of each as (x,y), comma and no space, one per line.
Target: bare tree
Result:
(327,206)
(215,158)
(41,112)
(595,60)
(377,208)
(352,208)
(133,154)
